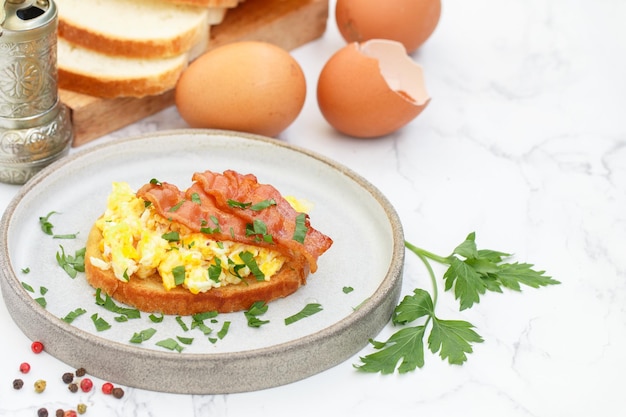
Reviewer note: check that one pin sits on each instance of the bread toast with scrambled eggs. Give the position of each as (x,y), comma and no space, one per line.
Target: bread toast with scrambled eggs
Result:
(221,245)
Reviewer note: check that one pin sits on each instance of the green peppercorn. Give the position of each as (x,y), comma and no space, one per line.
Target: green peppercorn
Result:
(73,387)
(40,386)
(80,372)
(117,392)
(81,408)
(18,384)
(67,377)
(42,412)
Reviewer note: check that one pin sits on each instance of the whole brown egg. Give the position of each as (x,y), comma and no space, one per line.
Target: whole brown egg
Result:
(410,22)
(371,89)
(248,86)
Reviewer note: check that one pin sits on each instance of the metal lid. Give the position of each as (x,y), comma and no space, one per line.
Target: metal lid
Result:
(25,15)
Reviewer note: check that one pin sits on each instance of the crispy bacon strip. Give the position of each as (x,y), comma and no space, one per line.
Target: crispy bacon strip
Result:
(216,214)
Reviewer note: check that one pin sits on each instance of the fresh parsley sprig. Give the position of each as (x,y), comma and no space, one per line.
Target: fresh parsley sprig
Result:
(471,273)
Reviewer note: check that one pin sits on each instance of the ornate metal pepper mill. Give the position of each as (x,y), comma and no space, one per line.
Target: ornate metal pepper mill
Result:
(35,127)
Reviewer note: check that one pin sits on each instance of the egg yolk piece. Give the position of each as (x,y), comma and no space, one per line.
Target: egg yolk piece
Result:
(138,243)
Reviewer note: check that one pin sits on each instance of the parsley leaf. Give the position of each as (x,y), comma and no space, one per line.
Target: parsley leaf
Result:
(300,229)
(170,344)
(257,309)
(406,345)
(71,264)
(143,335)
(471,273)
(307,311)
(45,224)
(109,304)
(100,323)
(72,315)
(452,338)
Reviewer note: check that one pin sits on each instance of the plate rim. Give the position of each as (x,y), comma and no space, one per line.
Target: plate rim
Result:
(385,297)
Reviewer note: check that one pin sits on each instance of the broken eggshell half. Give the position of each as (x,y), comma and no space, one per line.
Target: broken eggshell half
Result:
(371,89)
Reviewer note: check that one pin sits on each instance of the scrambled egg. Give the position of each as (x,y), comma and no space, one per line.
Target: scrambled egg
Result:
(137,241)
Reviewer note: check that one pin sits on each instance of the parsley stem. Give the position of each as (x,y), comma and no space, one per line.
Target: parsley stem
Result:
(423,252)
(423,255)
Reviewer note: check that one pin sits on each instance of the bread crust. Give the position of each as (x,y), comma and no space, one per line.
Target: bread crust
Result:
(103,87)
(208,3)
(149,295)
(131,48)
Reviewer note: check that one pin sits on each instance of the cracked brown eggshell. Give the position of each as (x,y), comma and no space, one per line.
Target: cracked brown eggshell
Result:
(371,89)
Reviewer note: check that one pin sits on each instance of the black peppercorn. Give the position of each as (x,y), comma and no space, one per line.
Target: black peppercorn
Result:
(73,387)
(42,412)
(117,392)
(59,413)
(68,377)
(18,384)
(80,372)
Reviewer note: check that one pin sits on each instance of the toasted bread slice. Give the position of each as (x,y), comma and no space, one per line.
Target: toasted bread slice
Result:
(149,295)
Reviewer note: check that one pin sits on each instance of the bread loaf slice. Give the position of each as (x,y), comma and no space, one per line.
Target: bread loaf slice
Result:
(92,73)
(149,295)
(137,28)
(208,3)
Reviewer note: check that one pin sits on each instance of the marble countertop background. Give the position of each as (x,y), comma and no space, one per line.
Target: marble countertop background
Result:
(524,142)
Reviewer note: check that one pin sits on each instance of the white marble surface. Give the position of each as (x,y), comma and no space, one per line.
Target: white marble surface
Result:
(524,142)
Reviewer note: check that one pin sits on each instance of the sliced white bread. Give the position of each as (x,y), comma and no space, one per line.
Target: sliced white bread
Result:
(88,72)
(137,28)
(208,3)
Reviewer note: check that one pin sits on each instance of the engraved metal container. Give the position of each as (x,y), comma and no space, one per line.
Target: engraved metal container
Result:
(35,127)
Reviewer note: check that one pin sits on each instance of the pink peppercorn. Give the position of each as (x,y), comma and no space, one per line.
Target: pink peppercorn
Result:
(70,413)
(107,388)
(86,384)
(36,347)
(24,367)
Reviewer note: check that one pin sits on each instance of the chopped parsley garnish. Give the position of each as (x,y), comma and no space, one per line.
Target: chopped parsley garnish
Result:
(224,330)
(257,309)
(181,323)
(27,287)
(195,198)
(25,270)
(250,262)
(211,230)
(215,270)
(143,335)
(176,206)
(179,274)
(154,181)
(45,224)
(170,344)
(307,311)
(156,319)
(171,236)
(197,321)
(73,315)
(347,290)
(66,236)
(237,204)
(258,229)
(41,301)
(72,264)
(300,230)
(100,323)
(185,340)
(109,304)
(261,205)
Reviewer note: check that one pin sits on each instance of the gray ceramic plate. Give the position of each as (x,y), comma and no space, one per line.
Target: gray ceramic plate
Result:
(367,255)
